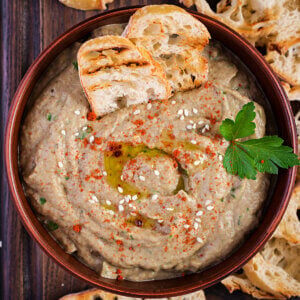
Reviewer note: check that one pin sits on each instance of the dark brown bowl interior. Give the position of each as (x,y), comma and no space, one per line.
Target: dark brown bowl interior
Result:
(272,214)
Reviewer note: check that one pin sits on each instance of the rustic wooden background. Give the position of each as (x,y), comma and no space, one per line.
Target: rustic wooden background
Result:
(27,27)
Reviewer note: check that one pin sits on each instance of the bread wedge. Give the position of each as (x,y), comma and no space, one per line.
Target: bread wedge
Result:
(175,39)
(251,18)
(86,4)
(114,73)
(93,294)
(286,65)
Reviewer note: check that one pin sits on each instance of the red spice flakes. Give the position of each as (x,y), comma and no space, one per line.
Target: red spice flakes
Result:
(166,249)
(77,228)
(91,116)
(138,122)
(98,140)
(120,277)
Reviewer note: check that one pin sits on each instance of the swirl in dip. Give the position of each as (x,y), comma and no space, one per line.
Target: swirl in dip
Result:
(140,193)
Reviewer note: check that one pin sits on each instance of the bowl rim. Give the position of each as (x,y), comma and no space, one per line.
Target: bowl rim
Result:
(42,237)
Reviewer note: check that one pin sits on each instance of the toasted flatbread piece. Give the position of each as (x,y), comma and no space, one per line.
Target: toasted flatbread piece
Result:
(293,92)
(271,278)
(289,227)
(92,294)
(175,39)
(251,18)
(286,65)
(114,73)
(86,4)
(241,282)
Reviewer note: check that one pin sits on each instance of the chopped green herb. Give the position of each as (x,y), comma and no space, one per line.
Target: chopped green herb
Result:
(264,155)
(170,236)
(67,177)
(51,225)
(222,199)
(75,65)
(42,201)
(131,237)
(247,209)
(49,117)
(239,220)
(84,133)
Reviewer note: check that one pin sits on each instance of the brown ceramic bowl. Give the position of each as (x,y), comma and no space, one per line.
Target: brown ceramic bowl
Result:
(272,214)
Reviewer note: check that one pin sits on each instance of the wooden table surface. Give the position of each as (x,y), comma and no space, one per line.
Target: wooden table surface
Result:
(27,27)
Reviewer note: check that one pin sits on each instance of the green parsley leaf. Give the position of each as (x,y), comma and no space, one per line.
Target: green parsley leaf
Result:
(245,158)
(242,126)
(42,201)
(84,133)
(75,65)
(51,225)
(49,117)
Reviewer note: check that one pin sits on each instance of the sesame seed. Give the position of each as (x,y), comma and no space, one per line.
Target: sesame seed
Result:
(186,226)
(133,207)
(154,197)
(193,142)
(121,207)
(60,164)
(77,112)
(160,221)
(186,112)
(76,134)
(200,122)
(199,240)
(199,213)
(207,126)
(84,128)
(173,102)
(63,132)
(134,197)
(198,220)
(127,198)
(189,126)
(210,207)
(142,178)
(104,173)
(207,202)
(92,138)
(196,225)
(169,208)
(197,162)
(156,172)
(149,105)
(133,213)
(180,112)
(136,112)
(122,201)
(108,202)
(111,212)
(195,110)
(194,126)
(181,118)
(220,157)
(130,205)
(95,199)
(0,244)
(122,177)
(120,189)
(203,130)
(191,121)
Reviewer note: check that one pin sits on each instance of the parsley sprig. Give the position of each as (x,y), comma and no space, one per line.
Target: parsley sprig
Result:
(245,158)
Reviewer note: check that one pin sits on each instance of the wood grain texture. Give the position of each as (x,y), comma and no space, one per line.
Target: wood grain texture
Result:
(27,27)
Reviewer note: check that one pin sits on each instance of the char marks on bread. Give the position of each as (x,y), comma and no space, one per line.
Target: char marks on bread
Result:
(115,73)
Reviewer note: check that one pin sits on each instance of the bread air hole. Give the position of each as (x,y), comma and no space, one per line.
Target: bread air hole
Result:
(153,28)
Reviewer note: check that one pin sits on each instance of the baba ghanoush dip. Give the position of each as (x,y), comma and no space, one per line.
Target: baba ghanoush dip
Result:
(141,193)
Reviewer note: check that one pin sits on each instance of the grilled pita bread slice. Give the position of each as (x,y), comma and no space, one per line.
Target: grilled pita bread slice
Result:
(175,39)
(271,278)
(93,294)
(289,227)
(251,18)
(241,282)
(86,4)
(114,73)
(287,64)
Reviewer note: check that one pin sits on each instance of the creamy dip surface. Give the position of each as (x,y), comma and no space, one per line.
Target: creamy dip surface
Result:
(141,193)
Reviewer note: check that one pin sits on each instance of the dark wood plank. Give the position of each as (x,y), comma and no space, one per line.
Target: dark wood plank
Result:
(27,27)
